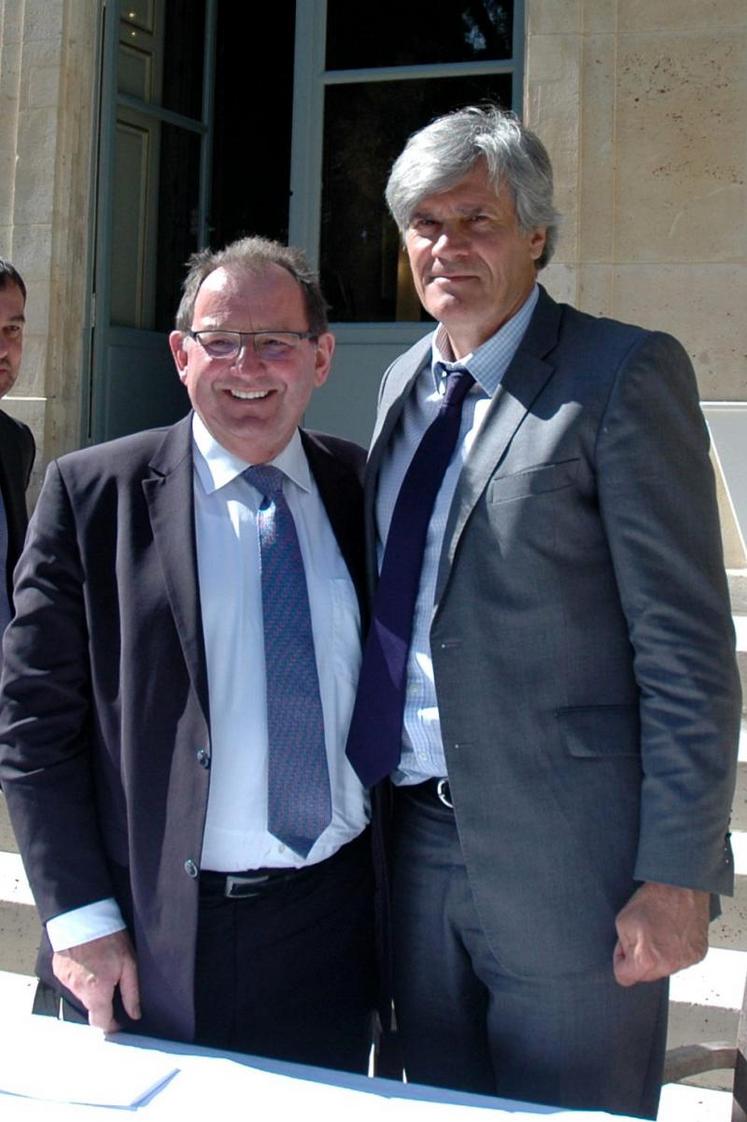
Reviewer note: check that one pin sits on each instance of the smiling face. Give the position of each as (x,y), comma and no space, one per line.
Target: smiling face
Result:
(251,407)
(12,319)
(472,265)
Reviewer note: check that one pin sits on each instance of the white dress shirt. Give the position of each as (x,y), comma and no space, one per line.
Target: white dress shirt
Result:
(422,748)
(236,836)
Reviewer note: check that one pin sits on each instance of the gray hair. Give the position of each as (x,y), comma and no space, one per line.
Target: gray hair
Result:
(254,255)
(439,155)
(10,275)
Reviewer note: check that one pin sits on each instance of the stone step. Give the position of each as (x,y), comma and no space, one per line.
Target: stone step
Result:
(7,837)
(683,1103)
(740,626)
(16,994)
(737,579)
(20,934)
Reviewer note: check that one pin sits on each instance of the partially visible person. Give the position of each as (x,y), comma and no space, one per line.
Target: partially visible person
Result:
(179,680)
(550,678)
(16,442)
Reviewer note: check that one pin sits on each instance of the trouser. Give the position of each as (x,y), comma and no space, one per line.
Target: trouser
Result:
(289,972)
(579,1041)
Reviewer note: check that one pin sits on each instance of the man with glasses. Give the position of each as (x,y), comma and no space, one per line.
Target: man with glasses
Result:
(16,441)
(180,679)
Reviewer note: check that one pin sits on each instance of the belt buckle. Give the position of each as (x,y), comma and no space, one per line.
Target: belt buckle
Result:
(240,888)
(444,793)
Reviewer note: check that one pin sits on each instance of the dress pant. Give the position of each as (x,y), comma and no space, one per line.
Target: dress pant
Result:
(290,973)
(579,1041)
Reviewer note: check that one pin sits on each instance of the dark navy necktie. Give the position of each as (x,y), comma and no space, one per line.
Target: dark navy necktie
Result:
(299,805)
(375,737)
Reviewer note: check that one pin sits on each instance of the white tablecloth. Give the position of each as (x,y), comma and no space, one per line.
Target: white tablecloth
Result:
(214,1086)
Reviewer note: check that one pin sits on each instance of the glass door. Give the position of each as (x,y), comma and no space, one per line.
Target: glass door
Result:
(152,203)
(367,76)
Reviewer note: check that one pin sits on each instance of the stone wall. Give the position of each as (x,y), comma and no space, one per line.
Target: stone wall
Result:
(48,59)
(643,106)
(642,103)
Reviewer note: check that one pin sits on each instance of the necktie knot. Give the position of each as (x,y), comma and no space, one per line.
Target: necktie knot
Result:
(459,382)
(267,479)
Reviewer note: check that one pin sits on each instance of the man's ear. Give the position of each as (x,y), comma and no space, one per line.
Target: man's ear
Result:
(537,241)
(176,345)
(325,348)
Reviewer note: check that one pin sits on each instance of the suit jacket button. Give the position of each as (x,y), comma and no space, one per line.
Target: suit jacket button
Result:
(203,758)
(191,869)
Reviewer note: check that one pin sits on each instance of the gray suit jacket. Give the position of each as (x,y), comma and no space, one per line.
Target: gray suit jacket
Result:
(582,641)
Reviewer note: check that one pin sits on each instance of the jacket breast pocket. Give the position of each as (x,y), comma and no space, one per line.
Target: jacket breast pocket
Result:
(532,481)
(600,731)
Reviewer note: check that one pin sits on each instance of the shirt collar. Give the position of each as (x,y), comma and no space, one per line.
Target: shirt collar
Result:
(489,362)
(216,466)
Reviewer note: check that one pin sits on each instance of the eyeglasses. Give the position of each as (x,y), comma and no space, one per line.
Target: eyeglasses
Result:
(269,346)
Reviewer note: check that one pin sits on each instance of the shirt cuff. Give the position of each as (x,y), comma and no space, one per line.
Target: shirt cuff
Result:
(82,925)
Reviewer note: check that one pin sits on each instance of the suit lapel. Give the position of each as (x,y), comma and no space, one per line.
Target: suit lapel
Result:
(340,494)
(523,382)
(395,390)
(169,495)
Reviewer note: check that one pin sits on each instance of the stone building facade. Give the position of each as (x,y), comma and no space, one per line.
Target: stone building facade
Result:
(642,104)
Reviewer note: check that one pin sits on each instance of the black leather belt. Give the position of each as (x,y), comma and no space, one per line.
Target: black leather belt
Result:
(254,882)
(258,882)
(431,791)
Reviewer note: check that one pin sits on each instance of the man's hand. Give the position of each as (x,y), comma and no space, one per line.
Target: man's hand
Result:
(92,971)
(660,930)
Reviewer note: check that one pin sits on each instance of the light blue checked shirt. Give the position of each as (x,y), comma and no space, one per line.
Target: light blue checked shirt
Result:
(422,747)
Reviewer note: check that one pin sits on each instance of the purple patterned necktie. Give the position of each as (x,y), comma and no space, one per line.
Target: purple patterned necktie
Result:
(375,737)
(299,805)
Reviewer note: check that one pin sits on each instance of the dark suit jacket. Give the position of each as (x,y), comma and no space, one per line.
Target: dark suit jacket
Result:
(106,710)
(16,461)
(582,641)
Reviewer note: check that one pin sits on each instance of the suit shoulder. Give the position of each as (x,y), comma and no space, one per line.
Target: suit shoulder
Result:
(113,456)
(19,436)
(602,331)
(345,452)
(13,425)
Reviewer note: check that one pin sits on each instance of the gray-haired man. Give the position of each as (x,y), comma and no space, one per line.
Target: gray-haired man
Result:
(554,663)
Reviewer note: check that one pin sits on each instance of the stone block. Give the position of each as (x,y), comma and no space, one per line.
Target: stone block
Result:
(681,15)
(680,191)
(548,17)
(599,16)
(43,20)
(597,166)
(596,289)
(703,306)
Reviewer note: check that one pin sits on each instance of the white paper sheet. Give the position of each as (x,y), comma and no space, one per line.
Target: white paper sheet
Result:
(42,1059)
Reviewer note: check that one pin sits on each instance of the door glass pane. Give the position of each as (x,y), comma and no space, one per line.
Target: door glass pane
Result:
(364,274)
(253,120)
(178,208)
(154,219)
(161,53)
(184,39)
(393,33)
